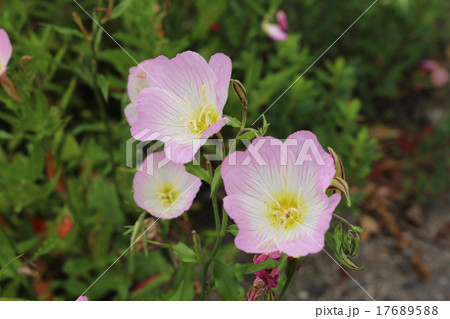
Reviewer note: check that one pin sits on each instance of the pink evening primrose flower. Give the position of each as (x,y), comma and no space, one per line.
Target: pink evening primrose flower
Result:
(5,51)
(137,80)
(184,102)
(274,31)
(282,19)
(82,298)
(276,194)
(438,75)
(164,188)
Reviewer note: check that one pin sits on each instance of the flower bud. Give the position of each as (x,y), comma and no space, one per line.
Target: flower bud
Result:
(239,90)
(337,163)
(197,246)
(282,19)
(340,185)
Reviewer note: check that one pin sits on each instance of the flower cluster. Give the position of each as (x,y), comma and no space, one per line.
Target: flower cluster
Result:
(275,189)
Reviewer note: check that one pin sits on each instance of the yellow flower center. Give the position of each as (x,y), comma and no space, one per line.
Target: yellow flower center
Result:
(286,210)
(167,194)
(198,120)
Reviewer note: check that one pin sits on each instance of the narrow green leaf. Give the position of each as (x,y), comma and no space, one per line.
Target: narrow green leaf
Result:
(185,253)
(233,229)
(251,268)
(234,122)
(198,171)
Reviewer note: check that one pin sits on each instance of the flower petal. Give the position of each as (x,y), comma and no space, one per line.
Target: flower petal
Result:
(215,128)
(137,79)
(221,65)
(311,158)
(183,78)
(275,32)
(131,113)
(5,51)
(257,171)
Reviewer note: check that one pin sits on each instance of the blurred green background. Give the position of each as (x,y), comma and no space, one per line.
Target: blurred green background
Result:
(65,190)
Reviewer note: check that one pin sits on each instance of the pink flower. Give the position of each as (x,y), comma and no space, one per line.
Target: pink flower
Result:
(5,51)
(439,75)
(82,298)
(137,81)
(282,19)
(164,188)
(428,65)
(184,102)
(276,194)
(274,31)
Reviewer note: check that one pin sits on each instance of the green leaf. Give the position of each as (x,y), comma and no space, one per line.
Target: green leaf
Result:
(226,283)
(157,243)
(216,181)
(248,136)
(66,31)
(70,149)
(349,264)
(120,9)
(183,288)
(10,262)
(233,229)
(46,247)
(358,229)
(234,122)
(185,253)
(198,171)
(251,268)
(104,86)
(138,228)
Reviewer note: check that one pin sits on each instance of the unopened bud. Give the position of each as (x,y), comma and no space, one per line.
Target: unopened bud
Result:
(80,24)
(197,246)
(337,163)
(239,90)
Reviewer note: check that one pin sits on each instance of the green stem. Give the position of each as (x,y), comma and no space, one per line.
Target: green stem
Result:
(221,227)
(291,269)
(342,219)
(105,120)
(244,115)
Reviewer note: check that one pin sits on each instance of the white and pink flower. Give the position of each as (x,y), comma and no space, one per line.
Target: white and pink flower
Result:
(274,31)
(437,73)
(5,51)
(137,81)
(164,188)
(184,102)
(276,196)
